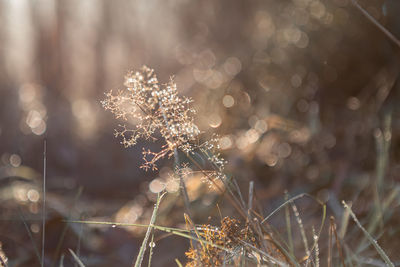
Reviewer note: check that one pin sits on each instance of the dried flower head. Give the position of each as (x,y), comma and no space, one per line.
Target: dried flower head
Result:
(157,108)
(230,236)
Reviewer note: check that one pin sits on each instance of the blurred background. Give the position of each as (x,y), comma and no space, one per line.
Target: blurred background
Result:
(303,94)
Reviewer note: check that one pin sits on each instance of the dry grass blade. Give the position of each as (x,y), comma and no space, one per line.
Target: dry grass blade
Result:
(268,257)
(190,225)
(302,231)
(250,201)
(315,237)
(28,230)
(178,263)
(142,250)
(151,244)
(291,202)
(78,246)
(289,226)
(369,237)
(330,242)
(174,231)
(344,222)
(65,228)
(283,205)
(376,23)
(76,258)
(44,199)
(339,247)
(61,261)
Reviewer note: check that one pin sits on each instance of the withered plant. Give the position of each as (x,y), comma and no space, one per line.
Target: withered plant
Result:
(156,110)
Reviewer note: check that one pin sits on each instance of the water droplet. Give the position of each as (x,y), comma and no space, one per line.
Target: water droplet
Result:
(113,226)
(152,244)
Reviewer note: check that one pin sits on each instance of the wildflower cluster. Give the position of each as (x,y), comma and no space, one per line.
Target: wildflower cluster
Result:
(157,108)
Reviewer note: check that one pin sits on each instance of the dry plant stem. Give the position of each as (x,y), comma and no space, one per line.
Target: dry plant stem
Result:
(250,200)
(382,147)
(339,247)
(270,258)
(330,241)
(376,23)
(288,225)
(66,226)
(370,238)
(344,222)
(301,227)
(30,235)
(151,248)
(44,199)
(62,261)
(260,233)
(315,237)
(182,185)
(178,263)
(241,203)
(234,203)
(78,246)
(76,258)
(143,247)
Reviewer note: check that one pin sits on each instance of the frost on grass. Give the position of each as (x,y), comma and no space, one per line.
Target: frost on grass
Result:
(159,111)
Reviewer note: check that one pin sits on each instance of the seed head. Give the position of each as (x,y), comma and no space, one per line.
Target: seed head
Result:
(157,108)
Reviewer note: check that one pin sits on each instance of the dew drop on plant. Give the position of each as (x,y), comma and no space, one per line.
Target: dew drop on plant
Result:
(113,226)
(152,244)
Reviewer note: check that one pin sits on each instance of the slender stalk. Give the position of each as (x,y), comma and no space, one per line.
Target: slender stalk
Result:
(30,235)
(150,227)
(250,200)
(231,197)
(330,241)
(182,185)
(376,23)
(289,225)
(339,248)
(76,258)
(370,238)
(44,200)
(151,248)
